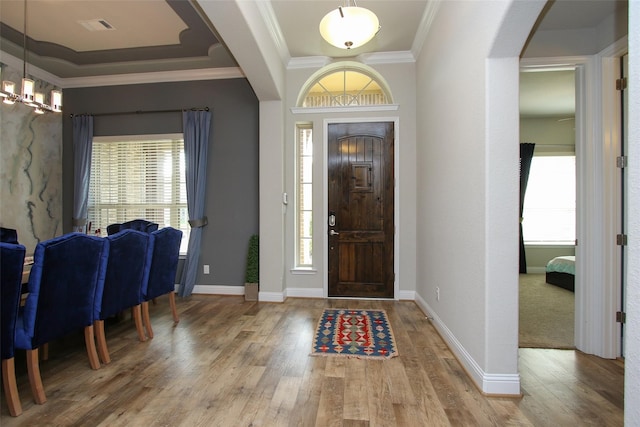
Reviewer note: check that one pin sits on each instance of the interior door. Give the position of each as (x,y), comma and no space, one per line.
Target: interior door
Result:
(360,221)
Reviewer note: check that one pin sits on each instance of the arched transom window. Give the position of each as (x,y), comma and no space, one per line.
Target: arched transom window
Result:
(344,85)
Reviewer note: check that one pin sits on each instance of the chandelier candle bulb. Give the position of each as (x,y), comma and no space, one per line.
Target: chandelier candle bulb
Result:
(27,90)
(56,101)
(8,92)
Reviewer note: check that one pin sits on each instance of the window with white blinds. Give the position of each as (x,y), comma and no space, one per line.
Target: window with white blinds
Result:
(140,176)
(304,199)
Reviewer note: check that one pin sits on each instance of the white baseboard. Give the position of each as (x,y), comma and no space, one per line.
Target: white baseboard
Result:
(496,384)
(276,296)
(407,295)
(271,296)
(218,290)
(304,293)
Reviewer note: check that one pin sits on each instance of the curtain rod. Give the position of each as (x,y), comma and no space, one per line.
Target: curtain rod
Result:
(555,146)
(124,113)
(546,146)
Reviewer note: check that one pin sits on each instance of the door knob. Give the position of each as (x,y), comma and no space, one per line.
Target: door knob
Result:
(333,232)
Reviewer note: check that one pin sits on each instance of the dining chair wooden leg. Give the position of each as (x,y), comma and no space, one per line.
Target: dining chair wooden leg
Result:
(172,304)
(90,343)
(101,342)
(137,317)
(10,387)
(145,319)
(35,381)
(44,352)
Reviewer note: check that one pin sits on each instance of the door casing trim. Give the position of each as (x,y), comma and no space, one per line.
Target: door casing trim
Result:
(396,196)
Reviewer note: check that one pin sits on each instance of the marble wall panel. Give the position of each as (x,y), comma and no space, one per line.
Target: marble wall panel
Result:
(30,168)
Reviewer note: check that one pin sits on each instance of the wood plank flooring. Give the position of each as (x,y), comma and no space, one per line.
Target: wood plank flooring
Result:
(235,363)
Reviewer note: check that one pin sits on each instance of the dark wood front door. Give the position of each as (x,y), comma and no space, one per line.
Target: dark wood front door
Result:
(360,223)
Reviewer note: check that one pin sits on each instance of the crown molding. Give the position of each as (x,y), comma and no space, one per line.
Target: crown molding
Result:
(425,25)
(123,79)
(273,27)
(155,77)
(308,62)
(399,57)
(32,70)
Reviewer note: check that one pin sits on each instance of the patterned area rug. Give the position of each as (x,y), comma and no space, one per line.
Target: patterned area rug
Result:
(364,334)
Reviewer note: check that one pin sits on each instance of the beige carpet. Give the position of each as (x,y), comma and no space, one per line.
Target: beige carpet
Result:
(546,314)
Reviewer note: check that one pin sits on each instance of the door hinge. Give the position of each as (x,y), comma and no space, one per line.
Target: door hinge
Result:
(621,239)
(621,317)
(621,162)
(621,84)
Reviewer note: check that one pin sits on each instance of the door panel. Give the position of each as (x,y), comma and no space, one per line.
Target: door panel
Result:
(360,163)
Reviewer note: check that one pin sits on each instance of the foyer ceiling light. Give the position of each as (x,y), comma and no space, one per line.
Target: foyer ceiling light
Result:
(349,27)
(28,96)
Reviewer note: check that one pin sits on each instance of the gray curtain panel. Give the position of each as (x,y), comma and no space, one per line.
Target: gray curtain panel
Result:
(196,128)
(526,155)
(82,145)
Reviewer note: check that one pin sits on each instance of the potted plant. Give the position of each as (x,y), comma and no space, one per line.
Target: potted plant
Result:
(252,276)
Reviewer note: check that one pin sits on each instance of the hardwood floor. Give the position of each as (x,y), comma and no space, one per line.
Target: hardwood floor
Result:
(235,363)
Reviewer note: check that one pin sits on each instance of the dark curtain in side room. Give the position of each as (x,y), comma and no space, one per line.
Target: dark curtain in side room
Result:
(526,154)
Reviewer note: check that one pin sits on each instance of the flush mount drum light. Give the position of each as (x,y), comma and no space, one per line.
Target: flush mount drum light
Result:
(349,27)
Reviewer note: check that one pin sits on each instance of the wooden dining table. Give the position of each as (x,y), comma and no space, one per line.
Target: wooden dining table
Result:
(26,271)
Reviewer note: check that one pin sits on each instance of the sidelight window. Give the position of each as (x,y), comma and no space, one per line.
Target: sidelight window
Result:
(304,196)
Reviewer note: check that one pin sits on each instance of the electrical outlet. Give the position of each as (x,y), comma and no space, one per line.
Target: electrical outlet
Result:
(437,293)
(206,269)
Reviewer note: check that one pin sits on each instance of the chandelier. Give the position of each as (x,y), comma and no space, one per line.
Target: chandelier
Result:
(349,27)
(28,96)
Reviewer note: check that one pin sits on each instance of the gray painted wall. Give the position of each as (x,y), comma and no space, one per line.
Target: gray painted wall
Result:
(232,178)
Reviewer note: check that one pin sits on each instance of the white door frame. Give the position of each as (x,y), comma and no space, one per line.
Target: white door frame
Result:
(597,272)
(609,109)
(396,201)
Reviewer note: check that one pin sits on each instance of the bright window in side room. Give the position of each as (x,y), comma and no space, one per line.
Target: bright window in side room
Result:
(549,215)
(141,176)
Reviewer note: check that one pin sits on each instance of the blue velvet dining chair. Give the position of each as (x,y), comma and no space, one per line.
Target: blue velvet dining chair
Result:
(8,235)
(135,224)
(113,228)
(127,271)
(65,290)
(163,253)
(11,263)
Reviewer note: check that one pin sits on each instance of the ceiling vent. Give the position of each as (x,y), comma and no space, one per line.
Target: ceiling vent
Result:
(96,25)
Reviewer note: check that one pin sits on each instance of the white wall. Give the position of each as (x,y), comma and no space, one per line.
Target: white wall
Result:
(632,361)
(467,147)
(586,41)
(548,131)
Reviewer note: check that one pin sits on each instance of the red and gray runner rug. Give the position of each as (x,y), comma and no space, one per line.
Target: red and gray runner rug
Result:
(364,334)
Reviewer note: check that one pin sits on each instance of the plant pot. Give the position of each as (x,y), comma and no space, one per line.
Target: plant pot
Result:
(251,291)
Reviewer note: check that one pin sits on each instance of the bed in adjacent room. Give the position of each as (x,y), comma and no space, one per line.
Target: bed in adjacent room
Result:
(561,271)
